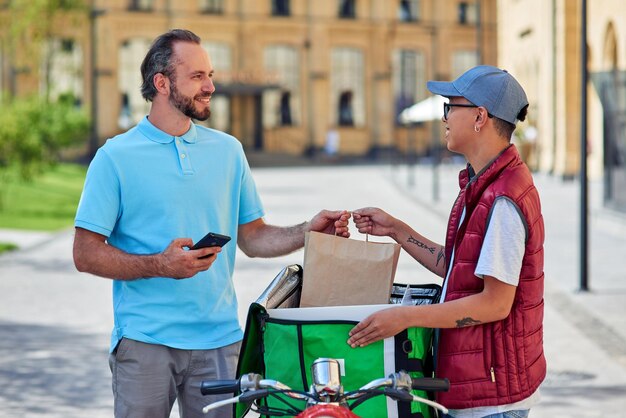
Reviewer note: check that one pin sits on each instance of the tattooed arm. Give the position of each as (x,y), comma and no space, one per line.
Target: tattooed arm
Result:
(376,222)
(492,304)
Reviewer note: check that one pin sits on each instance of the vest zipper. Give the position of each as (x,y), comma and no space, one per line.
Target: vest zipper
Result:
(493,375)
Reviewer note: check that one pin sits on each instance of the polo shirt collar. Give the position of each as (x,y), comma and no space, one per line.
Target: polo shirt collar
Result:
(155,134)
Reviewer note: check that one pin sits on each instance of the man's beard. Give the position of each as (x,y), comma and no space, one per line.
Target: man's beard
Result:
(187,106)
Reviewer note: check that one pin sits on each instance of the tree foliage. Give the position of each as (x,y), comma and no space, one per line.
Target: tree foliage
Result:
(34,130)
(33,133)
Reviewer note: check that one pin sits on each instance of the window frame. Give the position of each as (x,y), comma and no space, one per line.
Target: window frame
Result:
(346,9)
(212,7)
(141,5)
(410,13)
(281,8)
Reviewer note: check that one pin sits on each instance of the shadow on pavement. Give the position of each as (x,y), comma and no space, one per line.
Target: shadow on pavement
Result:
(49,370)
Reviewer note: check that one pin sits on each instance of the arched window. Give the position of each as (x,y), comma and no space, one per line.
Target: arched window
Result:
(282,108)
(347,87)
(285,108)
(409,79)
(133,107)
(141,5)
(62,68)
(467,13)
(610,49)
(408,10)
(346,115)
(280,8)
(212,6)
(347,9)
(462,61)
(221,59)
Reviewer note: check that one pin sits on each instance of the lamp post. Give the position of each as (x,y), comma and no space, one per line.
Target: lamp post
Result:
(94,142)
(435,126)
(584,199)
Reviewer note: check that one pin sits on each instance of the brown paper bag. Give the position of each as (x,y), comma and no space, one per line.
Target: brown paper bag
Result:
(340,271)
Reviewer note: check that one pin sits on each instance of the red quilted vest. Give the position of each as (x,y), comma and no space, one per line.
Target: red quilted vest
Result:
(500,362)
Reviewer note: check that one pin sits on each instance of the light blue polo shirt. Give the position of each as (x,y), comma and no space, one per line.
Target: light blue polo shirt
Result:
(145,188)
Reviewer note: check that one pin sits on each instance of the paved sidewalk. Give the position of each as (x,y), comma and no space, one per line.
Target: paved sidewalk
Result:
(25,239)
(54,321)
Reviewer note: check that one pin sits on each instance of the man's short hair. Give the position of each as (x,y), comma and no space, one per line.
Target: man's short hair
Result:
(159,59)
(505,129)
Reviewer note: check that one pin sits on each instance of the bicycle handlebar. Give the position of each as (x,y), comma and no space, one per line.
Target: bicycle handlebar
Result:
(252,386)
(216,387)
(250,381)
(430,384)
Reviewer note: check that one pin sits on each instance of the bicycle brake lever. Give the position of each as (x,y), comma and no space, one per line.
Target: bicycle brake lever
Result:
(252,395)
(398,394)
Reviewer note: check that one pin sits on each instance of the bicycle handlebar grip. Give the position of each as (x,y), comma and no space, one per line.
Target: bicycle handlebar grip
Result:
(430,384)
(214,387)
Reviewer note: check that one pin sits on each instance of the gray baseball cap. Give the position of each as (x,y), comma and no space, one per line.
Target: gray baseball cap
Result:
(492,88)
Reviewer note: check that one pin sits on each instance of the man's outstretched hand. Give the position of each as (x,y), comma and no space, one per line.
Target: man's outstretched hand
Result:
(331,222)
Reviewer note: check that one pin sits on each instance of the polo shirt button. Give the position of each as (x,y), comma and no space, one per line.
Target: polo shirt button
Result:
(182,155)
(178,141)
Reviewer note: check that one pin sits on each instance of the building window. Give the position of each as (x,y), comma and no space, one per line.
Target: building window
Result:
(408,10)
(282,107)
(221,59)
(463,61)
(345,110)
(62,67)
(347,87)
(141,5)
(467,13)
(408,78)
(280,8)
(212,6)
(221,56)
(285,108)
(133,107)
(347,9)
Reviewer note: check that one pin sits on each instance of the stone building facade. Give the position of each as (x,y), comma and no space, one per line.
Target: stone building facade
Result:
(540,42)
(289,73)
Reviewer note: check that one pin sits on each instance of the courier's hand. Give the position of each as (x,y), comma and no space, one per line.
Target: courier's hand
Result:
(374,221)
(377,326)
(331,222)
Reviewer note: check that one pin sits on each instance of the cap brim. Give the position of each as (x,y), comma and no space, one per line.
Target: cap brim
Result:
(443,88)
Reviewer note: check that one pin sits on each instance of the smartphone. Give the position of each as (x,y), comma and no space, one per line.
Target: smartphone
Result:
(211,240)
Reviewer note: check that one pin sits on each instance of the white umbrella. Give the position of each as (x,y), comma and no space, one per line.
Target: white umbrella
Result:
(427,109)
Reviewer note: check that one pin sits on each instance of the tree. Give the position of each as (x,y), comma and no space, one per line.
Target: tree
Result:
(27,25)
(34,129)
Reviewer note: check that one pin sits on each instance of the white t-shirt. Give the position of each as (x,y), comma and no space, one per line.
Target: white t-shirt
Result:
(500,257)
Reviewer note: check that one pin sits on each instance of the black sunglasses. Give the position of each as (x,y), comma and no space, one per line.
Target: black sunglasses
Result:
(447,106)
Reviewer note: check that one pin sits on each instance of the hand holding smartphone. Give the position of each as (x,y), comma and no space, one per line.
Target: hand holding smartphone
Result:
(211,240)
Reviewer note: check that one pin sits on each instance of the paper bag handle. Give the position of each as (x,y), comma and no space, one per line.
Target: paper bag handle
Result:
(366,235)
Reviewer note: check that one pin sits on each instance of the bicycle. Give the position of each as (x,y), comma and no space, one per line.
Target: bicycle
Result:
(325,398)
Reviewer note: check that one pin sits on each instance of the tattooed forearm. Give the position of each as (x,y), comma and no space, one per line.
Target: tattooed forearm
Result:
(421,245)
(440,256)
(466,322)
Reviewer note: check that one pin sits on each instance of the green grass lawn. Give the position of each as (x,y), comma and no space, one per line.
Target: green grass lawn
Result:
(48,203)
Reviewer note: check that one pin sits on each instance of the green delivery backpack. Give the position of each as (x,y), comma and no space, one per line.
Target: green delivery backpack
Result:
(282,344)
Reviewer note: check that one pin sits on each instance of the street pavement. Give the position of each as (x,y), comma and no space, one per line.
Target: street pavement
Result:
(55,322)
